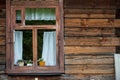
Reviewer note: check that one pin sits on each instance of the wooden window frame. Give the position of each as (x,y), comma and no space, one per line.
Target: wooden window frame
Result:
(11,7)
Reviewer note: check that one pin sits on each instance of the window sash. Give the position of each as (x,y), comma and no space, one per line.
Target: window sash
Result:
(11,25)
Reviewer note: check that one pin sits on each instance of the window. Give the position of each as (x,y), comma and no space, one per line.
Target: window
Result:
(35,39)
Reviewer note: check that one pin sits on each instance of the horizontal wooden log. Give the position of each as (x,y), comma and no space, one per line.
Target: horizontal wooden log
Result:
(88,56)
(90,4)
(2,50)
(2,58)
(88,50)
(90,71)
(90,60)
(93,76)
(2,31)
(2,40)
(90,11)
(95,16)
(92,23)
(76,32)
(2,22)
(92,41)
(37,3)
(89,67)
(3,13)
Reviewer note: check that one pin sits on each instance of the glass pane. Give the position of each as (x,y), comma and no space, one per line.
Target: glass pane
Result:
(46,47)
(23,54)
(40,16)
(18,16)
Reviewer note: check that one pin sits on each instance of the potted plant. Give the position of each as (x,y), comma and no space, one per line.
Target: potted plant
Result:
(20,62)
(29,63)
(41,62)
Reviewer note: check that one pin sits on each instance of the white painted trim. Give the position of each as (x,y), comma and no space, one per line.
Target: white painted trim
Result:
(117,66)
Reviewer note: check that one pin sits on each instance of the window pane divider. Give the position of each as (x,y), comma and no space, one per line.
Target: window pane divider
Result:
(34,34)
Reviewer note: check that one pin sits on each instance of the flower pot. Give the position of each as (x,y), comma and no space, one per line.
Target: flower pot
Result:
(20,63)
(29,64)
(41,63)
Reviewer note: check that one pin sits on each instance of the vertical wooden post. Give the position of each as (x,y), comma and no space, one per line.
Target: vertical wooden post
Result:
(8,12)
(61,35)
(34,35)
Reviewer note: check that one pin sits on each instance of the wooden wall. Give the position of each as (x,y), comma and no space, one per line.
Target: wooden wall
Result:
(91,32)
(91,38)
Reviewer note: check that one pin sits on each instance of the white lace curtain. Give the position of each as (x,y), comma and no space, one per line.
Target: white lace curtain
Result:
(18,46)
(49,48)
(40,14)
(37,14)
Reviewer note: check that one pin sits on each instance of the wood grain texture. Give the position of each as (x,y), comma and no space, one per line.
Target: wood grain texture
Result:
(92,41)
(89,60)
(2,12)
(88,50)
(93,76)
(89,67)
(90,4)
(2,22)
(90,13)
(2,50)
(89,32)
(2,40)
(94,16)
(2,31)
(37,3)
(92,23)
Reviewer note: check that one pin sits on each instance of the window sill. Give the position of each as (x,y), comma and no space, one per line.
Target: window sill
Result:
(24,70)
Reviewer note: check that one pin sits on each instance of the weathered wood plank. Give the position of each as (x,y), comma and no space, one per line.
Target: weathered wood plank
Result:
(2,13)
(37,3)
(109,71)
(88,56)
(90,4)
(2,31)
(93,16)
(89,67)
(2,49)
(2,58)
(92,41)
(92,23)
(77,32)
(88,50)
(90,60)
(2,22)
(90,13)
(93,76)
(2,40)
